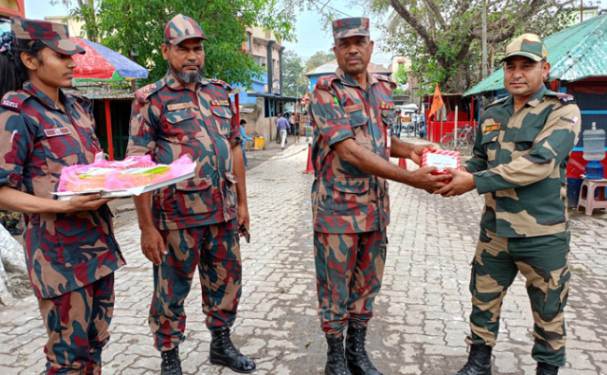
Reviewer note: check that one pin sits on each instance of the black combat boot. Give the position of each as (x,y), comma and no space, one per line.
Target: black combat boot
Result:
(336,360)
(546,369)
(171,364)
(356,354)
(223,352)
(479,361)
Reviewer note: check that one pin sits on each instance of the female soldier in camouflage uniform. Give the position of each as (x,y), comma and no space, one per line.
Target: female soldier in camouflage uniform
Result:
(71,252)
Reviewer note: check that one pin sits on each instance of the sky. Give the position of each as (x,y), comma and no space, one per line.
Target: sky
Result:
(313,35)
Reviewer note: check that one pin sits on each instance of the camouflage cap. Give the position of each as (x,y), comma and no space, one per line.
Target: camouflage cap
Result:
(53,35)
(347,27)
(527,45)
(180,28)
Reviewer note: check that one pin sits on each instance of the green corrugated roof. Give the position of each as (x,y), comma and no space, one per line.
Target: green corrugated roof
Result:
(574,53)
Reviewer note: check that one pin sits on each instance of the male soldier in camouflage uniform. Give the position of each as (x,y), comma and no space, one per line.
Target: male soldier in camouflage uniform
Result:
(184,114)
(70,250)
(519,160)
(352,112)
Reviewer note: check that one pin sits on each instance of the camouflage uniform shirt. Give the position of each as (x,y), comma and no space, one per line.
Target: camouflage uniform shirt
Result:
(64,252)
(519,164)
(169,120)
(344,198)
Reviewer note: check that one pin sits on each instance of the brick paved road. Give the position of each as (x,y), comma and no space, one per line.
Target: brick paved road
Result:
(421,312)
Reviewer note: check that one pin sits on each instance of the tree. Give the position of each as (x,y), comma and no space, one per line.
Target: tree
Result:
(135,28)
(294,79)
(442,37)
(85,11)
(319,58)
(401,78)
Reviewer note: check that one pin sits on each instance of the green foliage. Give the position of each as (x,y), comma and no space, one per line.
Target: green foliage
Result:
(85,11)
(401,77)
(442,37)
(295,83)
(318,59)
(135,28)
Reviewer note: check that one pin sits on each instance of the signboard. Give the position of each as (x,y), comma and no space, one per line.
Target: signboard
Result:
(11,8)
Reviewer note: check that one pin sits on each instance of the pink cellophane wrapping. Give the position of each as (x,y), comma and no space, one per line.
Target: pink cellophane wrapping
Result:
(106,175)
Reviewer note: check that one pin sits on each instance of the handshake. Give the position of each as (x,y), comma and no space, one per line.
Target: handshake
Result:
(439,173)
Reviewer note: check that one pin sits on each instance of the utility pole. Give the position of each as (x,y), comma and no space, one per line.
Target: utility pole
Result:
(484,40)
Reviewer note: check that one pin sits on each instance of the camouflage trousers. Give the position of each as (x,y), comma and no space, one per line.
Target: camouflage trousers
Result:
(543,263)
(77,325)
(349,270)
(215,251)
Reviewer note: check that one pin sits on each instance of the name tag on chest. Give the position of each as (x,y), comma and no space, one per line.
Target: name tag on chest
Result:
(220,103)
(56,132)
(180,106)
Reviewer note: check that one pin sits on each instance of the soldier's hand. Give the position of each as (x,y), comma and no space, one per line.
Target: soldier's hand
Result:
(243,216)
(418,150)
(89,202)
(152,244)
(423,178)
(461,183)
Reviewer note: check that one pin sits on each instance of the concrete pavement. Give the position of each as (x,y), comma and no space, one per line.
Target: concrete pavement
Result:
(421,312)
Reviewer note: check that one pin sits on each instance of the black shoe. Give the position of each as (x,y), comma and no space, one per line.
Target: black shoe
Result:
(171,364)
(546,369)
(479,361)
(356,355)
(336,359)
(223,352)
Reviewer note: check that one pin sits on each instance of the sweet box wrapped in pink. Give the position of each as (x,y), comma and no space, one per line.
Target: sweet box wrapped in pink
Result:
(441,159)
(131,175)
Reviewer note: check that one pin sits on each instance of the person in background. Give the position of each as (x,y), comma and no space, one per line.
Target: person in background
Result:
(244,138)
(283,126)
(295,125)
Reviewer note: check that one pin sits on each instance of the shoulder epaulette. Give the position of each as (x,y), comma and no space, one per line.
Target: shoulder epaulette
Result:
(496,102)
(14,100)
(563,97)
(386,79)
(146,91)
(221,83)
(325,82)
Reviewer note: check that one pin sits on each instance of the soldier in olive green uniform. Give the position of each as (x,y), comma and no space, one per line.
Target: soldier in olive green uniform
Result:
(519,160)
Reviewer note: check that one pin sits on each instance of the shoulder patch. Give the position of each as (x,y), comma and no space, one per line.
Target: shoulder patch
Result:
(14,100)
(325,82)
(496,102)
(563,97)
(385,79)
(146,91)
(221,83)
